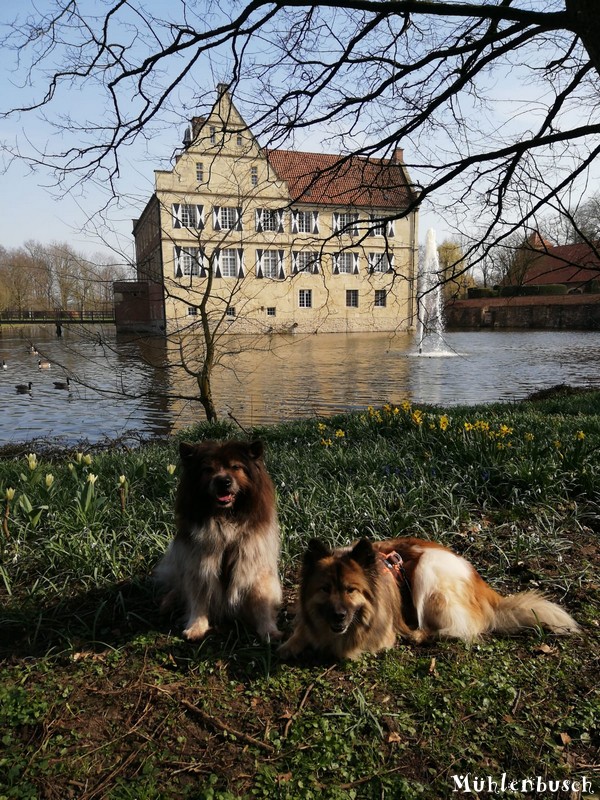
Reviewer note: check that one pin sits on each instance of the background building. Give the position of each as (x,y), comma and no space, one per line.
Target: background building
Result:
(276,240)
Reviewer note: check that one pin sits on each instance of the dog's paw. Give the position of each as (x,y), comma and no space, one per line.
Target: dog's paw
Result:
(197,630)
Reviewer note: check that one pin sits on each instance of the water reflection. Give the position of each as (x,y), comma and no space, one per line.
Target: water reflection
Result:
(122,384)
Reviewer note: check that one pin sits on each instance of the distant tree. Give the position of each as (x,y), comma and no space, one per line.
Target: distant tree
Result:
(453,270)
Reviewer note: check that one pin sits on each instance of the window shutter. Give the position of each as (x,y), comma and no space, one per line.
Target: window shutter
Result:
(336,221)
(280,254)
(177,259)
(259,220)
(315,221)
(217,263)
(280,216)
(373,224)
(336,263)
(371,259)
(316,266)
(390,262)
(294,222)
(200,217)
(390,228)
(176,210)
(259,269)
(238,225)
(294,262)
(216,218)
(202,254)
(354,230)
(240,263)
(355,260)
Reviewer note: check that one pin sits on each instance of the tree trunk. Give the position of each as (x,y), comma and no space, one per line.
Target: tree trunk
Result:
(585,22)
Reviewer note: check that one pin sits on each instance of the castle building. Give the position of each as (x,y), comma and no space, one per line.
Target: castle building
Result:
(256,240)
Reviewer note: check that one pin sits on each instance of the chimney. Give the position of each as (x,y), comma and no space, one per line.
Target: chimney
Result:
(399,155)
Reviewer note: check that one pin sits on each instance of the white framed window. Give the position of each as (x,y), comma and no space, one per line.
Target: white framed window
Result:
(230,311)
(305,261)
(254,176)
(192,311)
(381,262)
(188,261)
(238,139)
(381,227)
(227,218)
(305,298)
(200,172)
(213,134)
(271,311)
(228,263)
(346,263)
(269,219)
(305,221)
(352,298)
(269,264)
(345,222)
(187,215)
(380,298)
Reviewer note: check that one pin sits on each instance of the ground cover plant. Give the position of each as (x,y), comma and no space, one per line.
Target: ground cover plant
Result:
(100,697)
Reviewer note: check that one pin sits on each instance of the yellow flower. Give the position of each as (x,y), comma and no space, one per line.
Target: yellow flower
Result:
(469,426)
(49,480)
(580,435)
(171,468)
(339,434)
(78,457)
(417,417)
(387,408)
(321,427)
(444,422)
(481,425)
(395,410)
(123,479)
(405,405)
(32,461)
(87,460)
(10,494)
(91,478)
(504,430)
(529,437)
(326,442)
(557,443)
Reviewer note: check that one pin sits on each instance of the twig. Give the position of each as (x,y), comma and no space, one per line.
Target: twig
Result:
(302,703)
(220,725)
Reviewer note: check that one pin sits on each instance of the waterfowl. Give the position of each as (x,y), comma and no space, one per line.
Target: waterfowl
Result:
(33,350)
(4,364)
(43,364)
(23,388)
(62,384)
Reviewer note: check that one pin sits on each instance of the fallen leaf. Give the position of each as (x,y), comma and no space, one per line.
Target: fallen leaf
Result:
(565,738)
(394,737)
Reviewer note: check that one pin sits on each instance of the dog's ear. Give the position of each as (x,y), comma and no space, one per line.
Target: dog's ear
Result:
(363,553)
(256,449)
(315,551)
(187,450)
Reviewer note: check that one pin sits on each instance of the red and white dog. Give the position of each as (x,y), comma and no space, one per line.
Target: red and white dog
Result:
(358,599)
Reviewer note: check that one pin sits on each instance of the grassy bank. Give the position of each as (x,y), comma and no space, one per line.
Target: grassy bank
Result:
(101,698)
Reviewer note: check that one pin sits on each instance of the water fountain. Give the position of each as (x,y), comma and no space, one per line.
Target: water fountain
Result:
(430,310)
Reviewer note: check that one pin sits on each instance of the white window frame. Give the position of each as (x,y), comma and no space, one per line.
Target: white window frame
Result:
(352,295)
(269,220)
(345,222)
(254,176)
(271,311)
(304,298)
(381,262)
(188,261)
(381,226)
(227,218)
(212,134)
(183,213)
(351,263)
(300,259)
(380,294)
(234,258)
(304,221)
(199,172)
(274,257)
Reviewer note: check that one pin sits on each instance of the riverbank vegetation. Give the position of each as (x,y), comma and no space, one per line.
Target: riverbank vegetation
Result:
(100,697)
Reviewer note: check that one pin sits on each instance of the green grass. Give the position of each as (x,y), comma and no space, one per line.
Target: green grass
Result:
(101,698)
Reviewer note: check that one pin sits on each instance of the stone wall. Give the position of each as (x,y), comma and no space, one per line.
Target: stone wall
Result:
(564,312)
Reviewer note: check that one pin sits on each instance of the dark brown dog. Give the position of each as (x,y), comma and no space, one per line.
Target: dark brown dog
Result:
(223,561)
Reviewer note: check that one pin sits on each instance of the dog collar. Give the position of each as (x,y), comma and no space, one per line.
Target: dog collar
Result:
(394,562)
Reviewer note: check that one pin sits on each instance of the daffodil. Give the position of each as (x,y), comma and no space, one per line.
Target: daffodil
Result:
(91,478)
(49,480)
(529,437)
(417,417)
(326,442)
(10,494)
(339,434)
(87,459)
(171,468)
(321,427)
(580,435)
(444,422)
(123,479)
(32,461)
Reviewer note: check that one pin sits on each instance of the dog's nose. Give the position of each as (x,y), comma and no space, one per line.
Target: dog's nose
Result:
(223,482)
(339,614)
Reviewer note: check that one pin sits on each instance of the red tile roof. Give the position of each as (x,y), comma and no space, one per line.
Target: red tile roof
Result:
(568,263)
(321,178)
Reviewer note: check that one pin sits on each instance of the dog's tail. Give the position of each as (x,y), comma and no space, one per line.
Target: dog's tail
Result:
(531,610)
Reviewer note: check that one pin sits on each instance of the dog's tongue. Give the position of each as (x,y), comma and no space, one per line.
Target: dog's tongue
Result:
(226,498)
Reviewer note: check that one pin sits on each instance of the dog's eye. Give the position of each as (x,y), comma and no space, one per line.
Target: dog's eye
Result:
(236,467)
(350,589)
